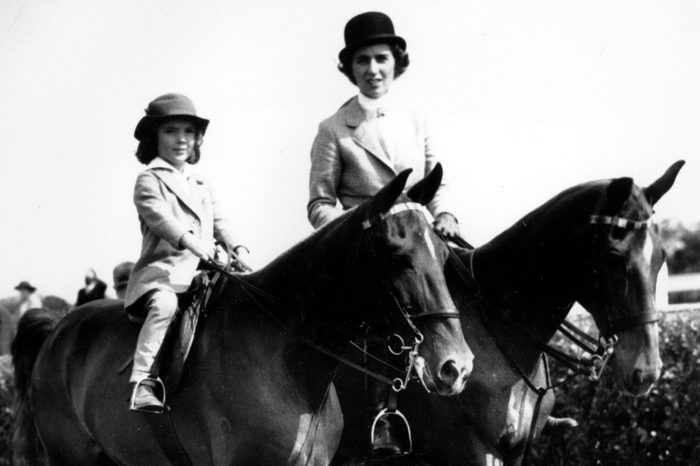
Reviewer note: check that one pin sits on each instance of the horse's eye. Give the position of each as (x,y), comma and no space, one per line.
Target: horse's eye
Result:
(401,260)
(615,258)
(619,234)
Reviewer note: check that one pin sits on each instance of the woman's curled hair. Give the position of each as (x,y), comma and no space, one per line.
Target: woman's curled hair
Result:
(400,59)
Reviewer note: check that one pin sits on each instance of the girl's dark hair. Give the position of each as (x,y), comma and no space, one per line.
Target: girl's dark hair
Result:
(400,59)
(147,149)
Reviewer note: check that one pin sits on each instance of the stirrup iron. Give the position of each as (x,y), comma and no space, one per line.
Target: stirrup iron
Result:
(389,413)
(157,385)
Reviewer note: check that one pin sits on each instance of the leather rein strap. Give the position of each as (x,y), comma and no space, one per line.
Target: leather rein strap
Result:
(255,294)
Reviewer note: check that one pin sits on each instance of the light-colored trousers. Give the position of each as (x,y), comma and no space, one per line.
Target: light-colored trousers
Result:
(161,307)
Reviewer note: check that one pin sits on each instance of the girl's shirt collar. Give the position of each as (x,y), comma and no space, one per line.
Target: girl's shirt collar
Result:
(158,162)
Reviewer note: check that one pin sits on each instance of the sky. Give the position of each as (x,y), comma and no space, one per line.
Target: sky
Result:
(525,98)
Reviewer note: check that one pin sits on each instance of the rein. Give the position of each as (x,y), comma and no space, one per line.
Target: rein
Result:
(254,293)
(396,343)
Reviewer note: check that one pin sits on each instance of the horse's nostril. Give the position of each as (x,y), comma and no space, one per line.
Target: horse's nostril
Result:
(637,377)
(641,378)
(449,373)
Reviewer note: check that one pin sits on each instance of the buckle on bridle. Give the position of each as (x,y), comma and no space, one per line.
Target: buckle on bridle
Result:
(606,348)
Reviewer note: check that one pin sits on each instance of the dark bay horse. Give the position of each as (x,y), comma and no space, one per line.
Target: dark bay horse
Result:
(594,243)
(257,385)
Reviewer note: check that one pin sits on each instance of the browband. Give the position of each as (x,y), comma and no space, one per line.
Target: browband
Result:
(370,222)
(620,222)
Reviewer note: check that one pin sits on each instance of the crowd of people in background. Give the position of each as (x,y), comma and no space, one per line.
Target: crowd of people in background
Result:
(28,297)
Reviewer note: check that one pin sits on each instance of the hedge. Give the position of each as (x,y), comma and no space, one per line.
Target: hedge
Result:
(662,428)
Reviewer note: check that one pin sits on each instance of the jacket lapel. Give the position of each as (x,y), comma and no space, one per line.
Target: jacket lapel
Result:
(366,133)
(168,178)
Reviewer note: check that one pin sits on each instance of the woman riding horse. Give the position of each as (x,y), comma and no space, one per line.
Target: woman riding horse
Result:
(367,142)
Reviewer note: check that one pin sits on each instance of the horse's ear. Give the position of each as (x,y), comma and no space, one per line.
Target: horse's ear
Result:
(618,192)
(658,188)
(387,196)
(424,191)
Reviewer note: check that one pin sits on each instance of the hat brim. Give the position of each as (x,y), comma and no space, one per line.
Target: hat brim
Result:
(31,289)
(148,122)
(347,52)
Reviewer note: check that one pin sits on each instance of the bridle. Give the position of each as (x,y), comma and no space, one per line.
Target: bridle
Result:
(395,342)
(604,346)
(601,349)
(619,324)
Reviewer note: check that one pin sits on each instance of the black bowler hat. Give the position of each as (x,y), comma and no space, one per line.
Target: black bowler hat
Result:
(369,28)
(168,106)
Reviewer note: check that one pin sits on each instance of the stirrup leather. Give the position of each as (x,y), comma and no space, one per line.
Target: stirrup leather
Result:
(393,413)
(157,385)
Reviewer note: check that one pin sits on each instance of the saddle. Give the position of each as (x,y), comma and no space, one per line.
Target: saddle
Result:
(171,357)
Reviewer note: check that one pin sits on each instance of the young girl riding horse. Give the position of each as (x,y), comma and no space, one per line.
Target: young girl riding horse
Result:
(179,218)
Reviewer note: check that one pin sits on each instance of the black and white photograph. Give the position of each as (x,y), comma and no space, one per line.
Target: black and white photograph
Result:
(390,232)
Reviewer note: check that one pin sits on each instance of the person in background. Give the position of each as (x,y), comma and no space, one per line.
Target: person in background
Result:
(363,146)
(120,276)
(94,288)
(28,298)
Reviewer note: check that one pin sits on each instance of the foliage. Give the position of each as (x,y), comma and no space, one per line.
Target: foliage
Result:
(683,246)
(6,415)
(617,429)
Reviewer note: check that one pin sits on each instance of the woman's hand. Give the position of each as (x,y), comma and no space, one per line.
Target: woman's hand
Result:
(204,250)
(446,225)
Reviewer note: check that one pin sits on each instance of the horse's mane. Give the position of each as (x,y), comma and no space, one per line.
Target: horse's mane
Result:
(321,245)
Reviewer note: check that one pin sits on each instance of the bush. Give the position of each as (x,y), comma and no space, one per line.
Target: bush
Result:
(616,429)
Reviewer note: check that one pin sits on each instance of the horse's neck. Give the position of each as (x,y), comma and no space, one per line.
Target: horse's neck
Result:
(304,286)
(525,272)
(311,280)
(269,331)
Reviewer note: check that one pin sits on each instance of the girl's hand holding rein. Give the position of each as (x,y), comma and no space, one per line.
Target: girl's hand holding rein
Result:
(199,248)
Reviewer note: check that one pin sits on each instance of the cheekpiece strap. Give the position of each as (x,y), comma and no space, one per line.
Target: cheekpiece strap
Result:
(623,223)
(370,222)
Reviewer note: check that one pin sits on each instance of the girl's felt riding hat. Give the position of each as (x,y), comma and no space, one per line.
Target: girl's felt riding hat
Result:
(168,106)
(369,28)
